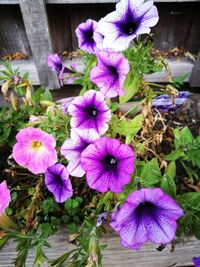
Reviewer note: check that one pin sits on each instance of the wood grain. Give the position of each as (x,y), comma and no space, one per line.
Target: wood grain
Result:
(37,29)
(115,255)
(13,2)
(195,76)
(13,36)
(60,27)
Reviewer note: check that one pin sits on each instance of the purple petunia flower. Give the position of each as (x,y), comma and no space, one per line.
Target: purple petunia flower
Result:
(90,112)
(73,148)
(85,33)
(101,217)
(55,63)
(4,197)
(147,215)
(34,150)
(108,164)
(110,73)
(196,261)
(164,102)
(58,183)
(130,19)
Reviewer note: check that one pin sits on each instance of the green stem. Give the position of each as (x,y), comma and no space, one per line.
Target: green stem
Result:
(157,85)
(131,109)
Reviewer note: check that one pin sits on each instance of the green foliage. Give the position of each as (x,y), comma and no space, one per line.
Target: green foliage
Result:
(84,79)
(26,242)
(88,251)
(126,127)
(187,150)
(141,62)
(11,120)
(48,206)
(178,82)
(168,185)
(148,172)
(140,57)
(190,222)
(132,85)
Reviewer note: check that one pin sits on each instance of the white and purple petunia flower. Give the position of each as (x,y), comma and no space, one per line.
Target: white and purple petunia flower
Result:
(147,215)
(90,112)
(35,150)
(110,73)
(131,18)
(164,102)
(55,63)
(196,261)
(85,33)
(73,148)
(58,182)
(108,164)
(5,197)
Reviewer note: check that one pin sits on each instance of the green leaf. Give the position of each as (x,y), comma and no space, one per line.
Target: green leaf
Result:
(194,156)
(196,228)
(171,169)
(62,258)
(131,86)
(183,137)
(151,172)
(25,77)
(3,241)
(46,96)
(192,198)
(174,155)
(9,211)
(178,81)
(168,185)
(114,106)
(186,136)
(71,204)
(129,127)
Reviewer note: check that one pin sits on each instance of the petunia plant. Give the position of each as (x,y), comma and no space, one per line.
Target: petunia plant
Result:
(110,159)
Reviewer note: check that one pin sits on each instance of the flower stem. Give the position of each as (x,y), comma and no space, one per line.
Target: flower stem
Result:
(157,85)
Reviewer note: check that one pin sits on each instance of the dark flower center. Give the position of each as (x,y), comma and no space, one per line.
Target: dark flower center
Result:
(93,112)
(58,180)
(59,66)
(145,208)
(129,28)
(111,161)
(89,35)
(114,72)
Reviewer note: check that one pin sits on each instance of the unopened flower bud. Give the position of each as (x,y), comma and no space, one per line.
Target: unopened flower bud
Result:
(16,79)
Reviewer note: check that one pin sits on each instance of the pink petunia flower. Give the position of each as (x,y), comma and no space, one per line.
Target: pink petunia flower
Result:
(4,197)
(35,150)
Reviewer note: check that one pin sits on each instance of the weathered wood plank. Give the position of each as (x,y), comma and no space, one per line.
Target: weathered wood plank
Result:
(177,67)
(36,24)
(13,36)
(115,255)
(195,75)
(14,2)
(174,26)
(60,27)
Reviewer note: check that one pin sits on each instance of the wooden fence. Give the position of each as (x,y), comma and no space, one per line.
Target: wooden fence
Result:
(38,27)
